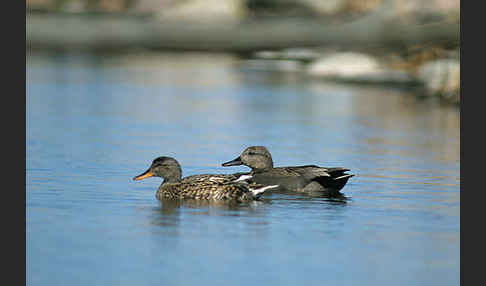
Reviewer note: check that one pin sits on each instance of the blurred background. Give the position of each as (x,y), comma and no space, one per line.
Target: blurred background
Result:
(369,85)
(374,41)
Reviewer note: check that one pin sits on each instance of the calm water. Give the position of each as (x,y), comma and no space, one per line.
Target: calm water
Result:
(95,122)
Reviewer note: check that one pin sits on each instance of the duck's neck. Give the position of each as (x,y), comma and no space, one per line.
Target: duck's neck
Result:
(170,180)
(262,166)
(174,176)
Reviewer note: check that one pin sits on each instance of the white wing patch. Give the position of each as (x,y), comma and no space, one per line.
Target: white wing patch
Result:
(243,177)
(263,189)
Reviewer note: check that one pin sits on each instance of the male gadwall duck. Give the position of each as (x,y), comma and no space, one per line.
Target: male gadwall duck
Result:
(201,187)
(308,178)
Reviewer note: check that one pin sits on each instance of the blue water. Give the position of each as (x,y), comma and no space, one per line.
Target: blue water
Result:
(94,122)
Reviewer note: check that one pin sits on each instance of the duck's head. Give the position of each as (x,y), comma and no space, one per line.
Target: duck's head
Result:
(258,158)
(165,167)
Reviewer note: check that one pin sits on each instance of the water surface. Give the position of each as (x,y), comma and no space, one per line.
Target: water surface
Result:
(95,122)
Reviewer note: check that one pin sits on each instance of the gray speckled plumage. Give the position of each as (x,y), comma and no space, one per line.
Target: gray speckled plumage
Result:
(200,187)
(307,178)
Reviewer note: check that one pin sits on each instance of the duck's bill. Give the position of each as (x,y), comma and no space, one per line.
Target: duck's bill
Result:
(144,175)
(235,162)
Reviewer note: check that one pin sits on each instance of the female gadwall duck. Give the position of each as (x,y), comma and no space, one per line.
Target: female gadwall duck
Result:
(308,178)
(201,187)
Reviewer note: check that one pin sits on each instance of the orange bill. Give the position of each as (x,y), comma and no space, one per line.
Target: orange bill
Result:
(145,175)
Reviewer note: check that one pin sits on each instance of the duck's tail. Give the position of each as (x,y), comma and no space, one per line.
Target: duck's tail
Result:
(336,182)
(339,182)
(346,176)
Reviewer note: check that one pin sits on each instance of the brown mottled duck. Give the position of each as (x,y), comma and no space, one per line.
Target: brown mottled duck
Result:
(201,187)
(308,178)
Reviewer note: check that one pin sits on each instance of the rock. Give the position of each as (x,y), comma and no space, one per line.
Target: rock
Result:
(356,67)
(204,11)
(442,78)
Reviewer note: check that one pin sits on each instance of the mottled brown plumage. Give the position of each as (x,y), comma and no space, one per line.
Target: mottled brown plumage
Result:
(308,178)
(200,187)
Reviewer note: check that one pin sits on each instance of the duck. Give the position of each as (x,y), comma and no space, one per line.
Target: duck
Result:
(235,187)
(306,178)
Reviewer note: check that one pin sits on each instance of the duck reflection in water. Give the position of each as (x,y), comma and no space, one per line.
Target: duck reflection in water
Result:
(170,206)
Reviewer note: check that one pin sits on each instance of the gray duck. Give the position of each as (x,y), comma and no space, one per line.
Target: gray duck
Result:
(201,187)
(307,178)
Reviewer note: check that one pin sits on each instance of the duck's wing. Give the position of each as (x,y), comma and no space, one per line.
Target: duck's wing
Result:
(312,171)
(307,171)
(210,178)
(294,171)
